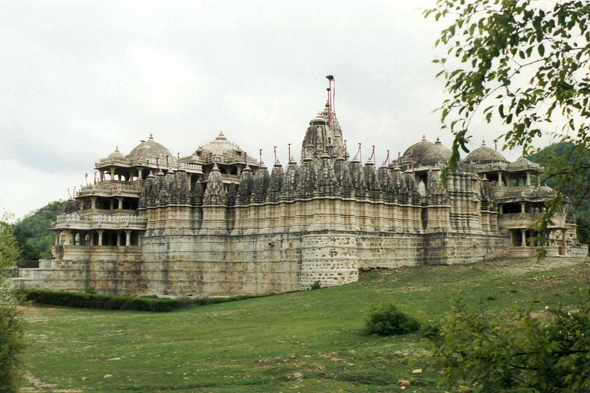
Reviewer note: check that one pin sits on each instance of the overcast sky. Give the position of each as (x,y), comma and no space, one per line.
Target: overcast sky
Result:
(81,77)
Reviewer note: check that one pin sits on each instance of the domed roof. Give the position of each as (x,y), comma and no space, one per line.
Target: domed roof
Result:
(219,145)
(484,155)
(150,149)
(436,153)
(116,155)
(222,151)
(523,163)
(417,150)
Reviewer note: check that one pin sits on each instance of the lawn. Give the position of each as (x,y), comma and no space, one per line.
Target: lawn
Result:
(257,345)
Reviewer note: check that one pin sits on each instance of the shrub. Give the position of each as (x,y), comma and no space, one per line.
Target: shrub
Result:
(316,285)
(516,353)
(125,302)
(11,344)
(388,320)
(11,324)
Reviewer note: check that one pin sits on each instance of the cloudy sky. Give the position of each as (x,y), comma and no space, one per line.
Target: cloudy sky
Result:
(81,77)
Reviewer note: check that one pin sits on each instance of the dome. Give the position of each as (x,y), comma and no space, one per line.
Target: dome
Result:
(219,146)
(116,155)
(150,149)
(435,154)
(523,163)
(417,150)
(484,155)
(222,151)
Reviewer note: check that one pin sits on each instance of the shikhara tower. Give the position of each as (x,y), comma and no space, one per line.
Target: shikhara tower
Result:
(218,222)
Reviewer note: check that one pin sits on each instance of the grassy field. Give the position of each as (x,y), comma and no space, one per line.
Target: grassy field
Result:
(256,345)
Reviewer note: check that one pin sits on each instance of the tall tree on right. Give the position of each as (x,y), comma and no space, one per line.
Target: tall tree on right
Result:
(527,63)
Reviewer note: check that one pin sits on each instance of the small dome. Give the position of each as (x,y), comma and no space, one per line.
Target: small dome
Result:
(543,191)
(417,150)
(484,155)
(222,151)
(523,163)
(116,155)
(219,146)
(150,149)
(435,154)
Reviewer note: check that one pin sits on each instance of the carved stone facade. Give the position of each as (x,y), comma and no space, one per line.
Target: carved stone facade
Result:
(219,223)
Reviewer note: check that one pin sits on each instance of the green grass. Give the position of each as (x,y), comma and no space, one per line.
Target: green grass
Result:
(254,345)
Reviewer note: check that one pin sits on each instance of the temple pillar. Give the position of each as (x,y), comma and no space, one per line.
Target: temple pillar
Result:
(57,234)
(140,173)
(139,235)
(523,237)
(93,203)
(528,178)
(563,232)
(100,232)
(522,207)
(113,173)
(500,180)
(118,239)
(112,204)
(120,199)
(127,238)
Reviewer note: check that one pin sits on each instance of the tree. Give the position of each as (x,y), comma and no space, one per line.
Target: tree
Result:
(11,325)
(33,233)
(526,63)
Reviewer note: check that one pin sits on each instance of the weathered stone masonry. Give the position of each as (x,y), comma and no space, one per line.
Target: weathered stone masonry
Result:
(218,223)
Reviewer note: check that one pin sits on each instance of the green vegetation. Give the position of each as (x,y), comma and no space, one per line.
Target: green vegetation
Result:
(33,232)
(91,299)
(578,190)
(527,64)
(11,325)
(387,319)
(259,344)
(523,353)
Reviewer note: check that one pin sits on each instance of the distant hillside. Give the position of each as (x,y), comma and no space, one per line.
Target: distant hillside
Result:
(33,234)
(581,201)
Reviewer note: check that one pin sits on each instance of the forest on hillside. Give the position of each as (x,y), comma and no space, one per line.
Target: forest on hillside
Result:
(35,238)
(33,233)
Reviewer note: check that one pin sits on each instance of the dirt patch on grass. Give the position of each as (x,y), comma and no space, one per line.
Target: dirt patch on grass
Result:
(518,266)
(34,312)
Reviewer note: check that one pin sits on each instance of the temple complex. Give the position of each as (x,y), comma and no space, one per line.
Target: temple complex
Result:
(219,222)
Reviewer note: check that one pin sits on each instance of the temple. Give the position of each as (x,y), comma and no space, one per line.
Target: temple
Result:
(219,222)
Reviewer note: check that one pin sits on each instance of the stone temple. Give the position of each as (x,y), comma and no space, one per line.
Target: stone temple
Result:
(220,223)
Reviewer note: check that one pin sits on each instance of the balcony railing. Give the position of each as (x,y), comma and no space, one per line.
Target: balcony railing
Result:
(111,188)
(74,221)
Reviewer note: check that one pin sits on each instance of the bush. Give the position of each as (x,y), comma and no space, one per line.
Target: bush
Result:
(316,285)
(126,302)
(516,353)
(11,344)
(11,324)
(388,320)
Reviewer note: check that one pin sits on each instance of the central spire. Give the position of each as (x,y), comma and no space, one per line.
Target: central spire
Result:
(324,135)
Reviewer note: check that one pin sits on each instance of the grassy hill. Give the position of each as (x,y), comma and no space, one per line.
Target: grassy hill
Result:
(257,345)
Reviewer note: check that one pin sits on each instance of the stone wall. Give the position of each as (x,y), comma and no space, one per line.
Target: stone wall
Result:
(112,270)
